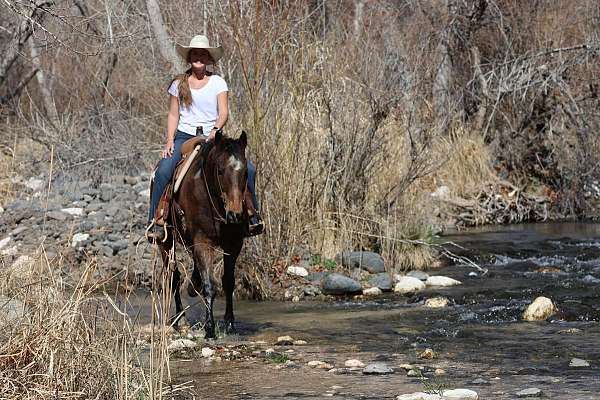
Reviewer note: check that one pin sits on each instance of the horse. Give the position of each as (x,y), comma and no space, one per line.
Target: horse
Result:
(207,212)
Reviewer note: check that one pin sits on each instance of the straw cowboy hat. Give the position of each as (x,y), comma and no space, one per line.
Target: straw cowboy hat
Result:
(200,42)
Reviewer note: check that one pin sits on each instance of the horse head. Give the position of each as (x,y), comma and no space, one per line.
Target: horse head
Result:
(230,175)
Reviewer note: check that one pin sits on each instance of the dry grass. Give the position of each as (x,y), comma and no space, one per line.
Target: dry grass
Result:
(59,342)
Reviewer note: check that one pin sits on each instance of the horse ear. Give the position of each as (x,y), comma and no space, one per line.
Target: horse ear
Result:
(218,136)
(243,139)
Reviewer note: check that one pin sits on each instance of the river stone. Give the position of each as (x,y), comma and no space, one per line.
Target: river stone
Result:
(284,341)
(297,271)
(119,245)
(419,396)
(74,211)
(436,302)
(79,239)
(144,193)
(419,275)
(442,281)
(4,242)
(530,392)
(354,363)
(374,291)
(339,284)
(180,344)
(591,279)
(370,261)
(18,231)
(377,369)
(539,310)
(57,215)
(406,284)
(578,363)
(459,394)
(207,352)
(382,281)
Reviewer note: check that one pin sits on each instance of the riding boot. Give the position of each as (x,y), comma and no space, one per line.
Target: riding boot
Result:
(155,232)
(255,223)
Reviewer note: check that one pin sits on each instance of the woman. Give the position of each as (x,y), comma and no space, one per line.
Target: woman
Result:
(198,105)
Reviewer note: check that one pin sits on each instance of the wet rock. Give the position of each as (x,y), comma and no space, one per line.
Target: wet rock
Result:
(374,291)
(381,281)
(437,302)
(370,261)
(79,239)
(284,341)
(531,392)
(419,396)
(297,271)
(354,363)
(180,344)
(407,284)
(539,310)
(207,352)
(442,281)
(460,394)
(378,369)
(578,363)
(419,275)
(340,284)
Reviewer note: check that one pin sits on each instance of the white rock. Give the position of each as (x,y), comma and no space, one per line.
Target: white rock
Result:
(285,340)
(314,363)
(436,302)
(297,271)
(34,184)
(441,192)
(180,344)
(79,238)
(406,284)
(299,342)
(539,310)
(419,396)
(207,352)
(460,394)
(443,281)
(75,211)
(578,363)
(354,363)
(4,242)
(1,209)
(144,193)
(374,291)
(23,261)
(11,251)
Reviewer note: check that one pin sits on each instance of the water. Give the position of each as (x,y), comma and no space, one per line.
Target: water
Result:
(479,340)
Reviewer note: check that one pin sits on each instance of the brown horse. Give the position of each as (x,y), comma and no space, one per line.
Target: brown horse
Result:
(208,213)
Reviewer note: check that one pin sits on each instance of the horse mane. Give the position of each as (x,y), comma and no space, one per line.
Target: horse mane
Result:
(229,146)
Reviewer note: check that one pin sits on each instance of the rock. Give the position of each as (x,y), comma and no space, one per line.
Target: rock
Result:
(439,372)
(441,192)
(539,310)
(34,184)
(74,211)
(299,342)
(1,209)
(4,242)
(377,369)
(442,281)
(354,363)
(382,281)
(10,251)
(591,279)
(79,239)
(419,275)
(17,231)
(315,363)
(297,271)
(311,290)
(207,352)
(480,381)
(284,341)
(317,277)
(144,193)
(427,354)
(407,284)
(413,373)
(419,396)
(459,394)
(119,245)
(57,215)
(374,291)
(436,302)
(10,309)
(531,392)
(340,284)
(370,261)
(180,344)
(22,262)
(578,363)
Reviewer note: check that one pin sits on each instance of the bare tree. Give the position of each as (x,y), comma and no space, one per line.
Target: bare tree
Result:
(163,41)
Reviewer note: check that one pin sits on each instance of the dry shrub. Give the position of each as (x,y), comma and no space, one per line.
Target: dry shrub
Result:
(58,342)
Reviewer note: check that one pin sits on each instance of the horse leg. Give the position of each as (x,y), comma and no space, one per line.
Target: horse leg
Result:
(228,281)
(203,260)
(174,280)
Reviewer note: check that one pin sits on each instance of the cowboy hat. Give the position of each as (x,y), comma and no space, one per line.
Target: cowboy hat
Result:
(200,42)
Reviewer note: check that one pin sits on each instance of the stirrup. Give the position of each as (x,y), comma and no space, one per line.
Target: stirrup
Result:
(154,234)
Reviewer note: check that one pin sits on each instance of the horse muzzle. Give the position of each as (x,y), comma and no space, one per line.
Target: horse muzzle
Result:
(233,217)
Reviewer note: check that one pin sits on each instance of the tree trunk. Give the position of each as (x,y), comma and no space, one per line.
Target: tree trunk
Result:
(43,83)
(165,46)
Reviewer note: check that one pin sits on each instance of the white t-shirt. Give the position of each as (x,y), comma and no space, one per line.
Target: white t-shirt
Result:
(203,111)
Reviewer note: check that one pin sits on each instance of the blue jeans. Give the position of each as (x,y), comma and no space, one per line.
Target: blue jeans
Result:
(166,167)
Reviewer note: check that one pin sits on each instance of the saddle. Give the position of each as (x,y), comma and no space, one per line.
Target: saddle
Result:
(189,151)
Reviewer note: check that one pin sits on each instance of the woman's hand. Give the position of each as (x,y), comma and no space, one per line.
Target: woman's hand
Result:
(168,151)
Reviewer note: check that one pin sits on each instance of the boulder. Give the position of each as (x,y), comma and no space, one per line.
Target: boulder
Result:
(539,310)
(381,281)
(419,396)
(368,260)
(442,281)
(297,271)
(340,284)
(530,392)
(374,291)
(406,284)
(460,394)
(419,275)
(437,302)
(378,369)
